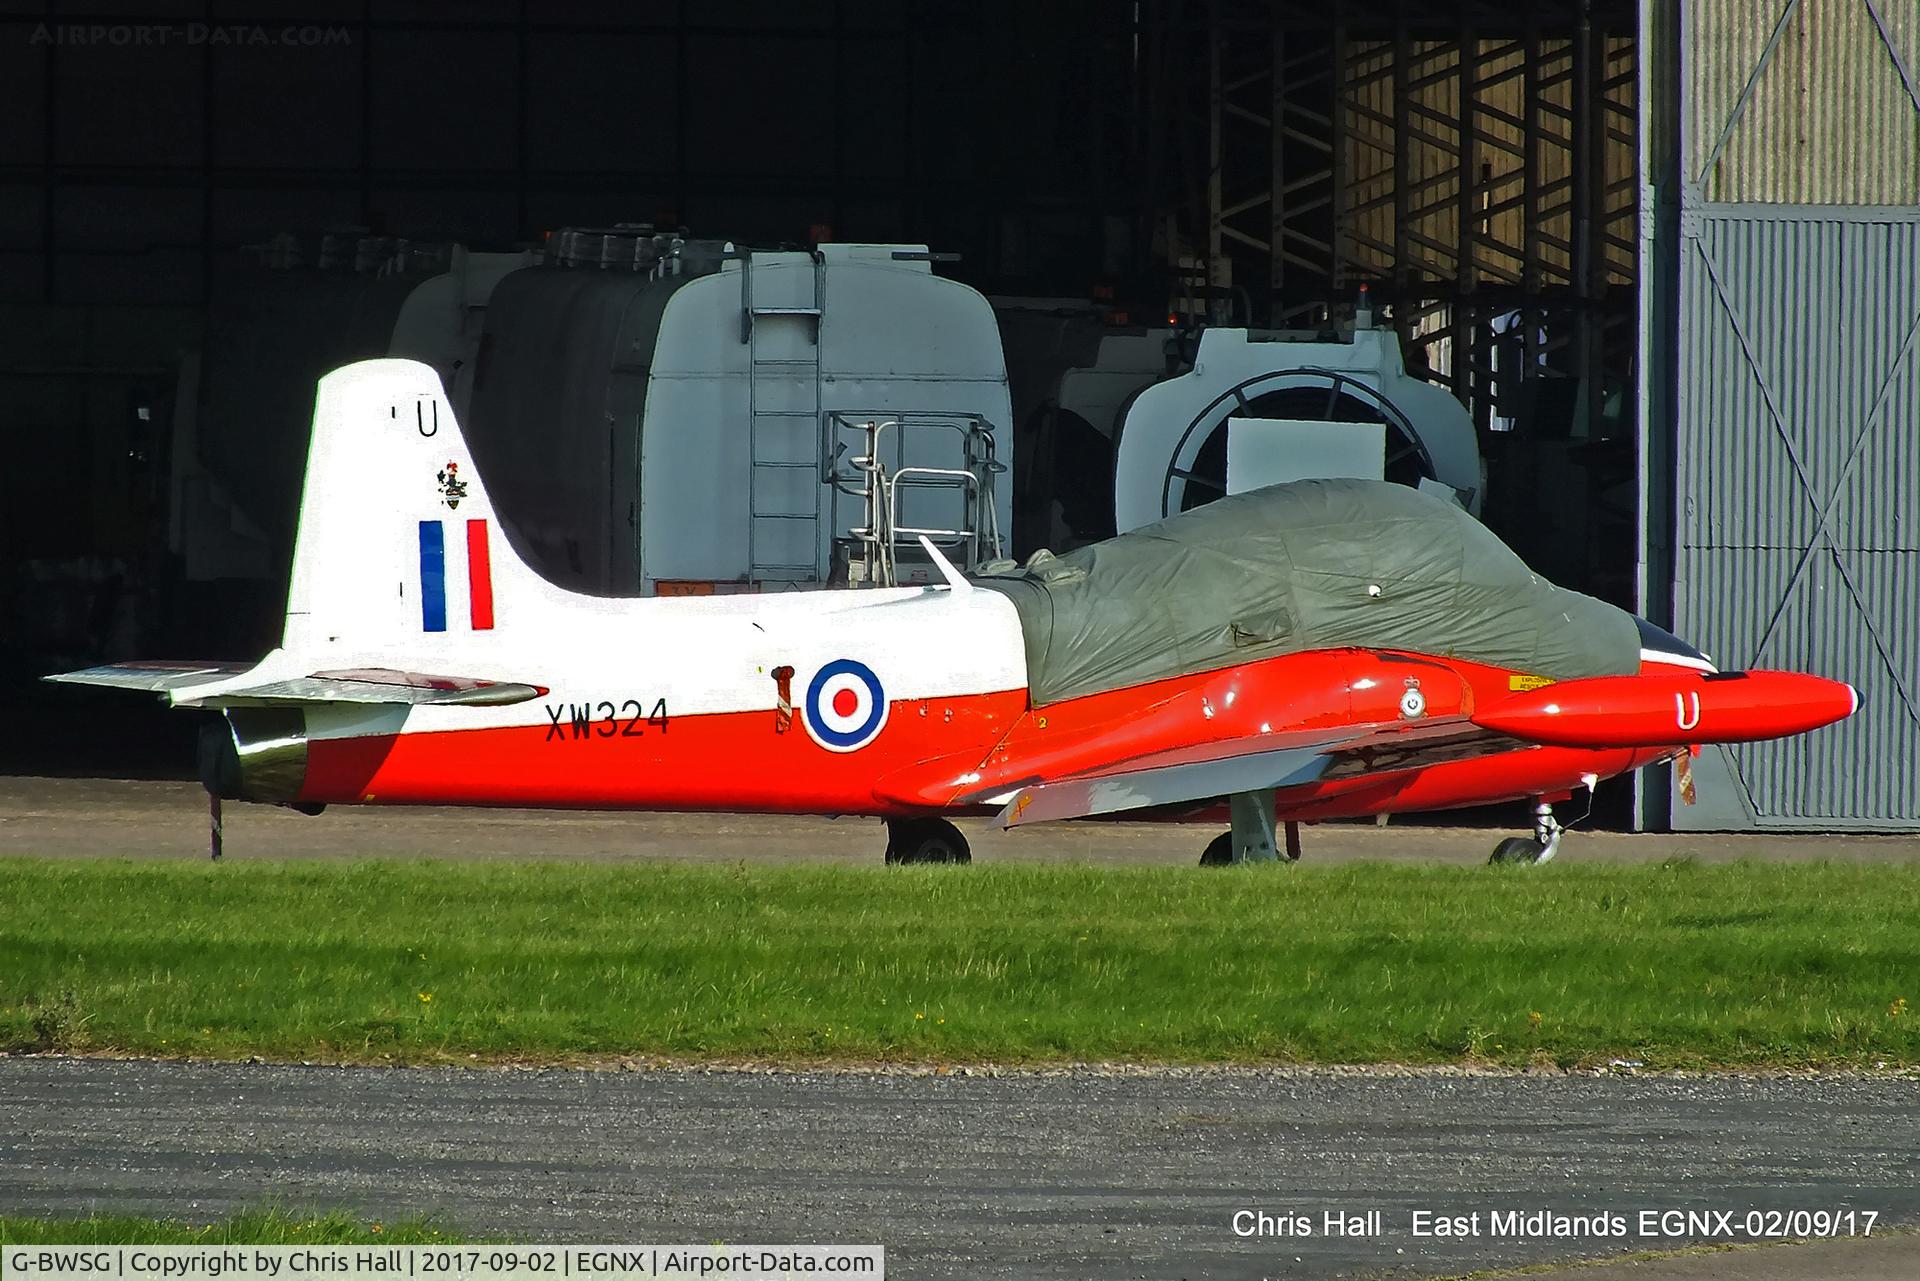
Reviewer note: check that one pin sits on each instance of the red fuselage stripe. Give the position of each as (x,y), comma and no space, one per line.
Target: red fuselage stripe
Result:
(614,753)
(739,761)
(630,750)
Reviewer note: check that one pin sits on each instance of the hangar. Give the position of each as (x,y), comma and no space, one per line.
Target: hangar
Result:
(1662,259)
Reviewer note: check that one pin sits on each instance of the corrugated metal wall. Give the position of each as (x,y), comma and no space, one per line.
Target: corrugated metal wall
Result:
(1830,119)
(1797,405)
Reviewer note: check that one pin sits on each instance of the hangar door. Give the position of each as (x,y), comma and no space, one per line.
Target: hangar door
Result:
(1797,405)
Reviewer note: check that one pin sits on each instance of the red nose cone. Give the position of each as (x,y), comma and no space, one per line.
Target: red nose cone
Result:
(1661,709)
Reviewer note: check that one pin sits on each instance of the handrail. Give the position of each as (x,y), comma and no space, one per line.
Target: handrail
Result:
(881,531)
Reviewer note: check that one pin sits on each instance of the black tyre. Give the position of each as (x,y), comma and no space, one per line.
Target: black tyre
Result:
(1219,851)
(1518,849)
(926,840)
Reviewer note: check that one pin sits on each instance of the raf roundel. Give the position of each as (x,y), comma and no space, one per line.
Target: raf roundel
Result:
(846,708)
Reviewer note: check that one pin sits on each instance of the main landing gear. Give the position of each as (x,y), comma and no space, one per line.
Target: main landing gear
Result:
(1252,839)
(1544,844)
(925,840)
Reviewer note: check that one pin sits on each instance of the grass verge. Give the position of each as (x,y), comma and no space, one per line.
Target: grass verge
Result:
(257,1227)
(1672,964)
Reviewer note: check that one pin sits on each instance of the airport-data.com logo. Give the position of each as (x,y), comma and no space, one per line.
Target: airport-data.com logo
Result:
(188,35)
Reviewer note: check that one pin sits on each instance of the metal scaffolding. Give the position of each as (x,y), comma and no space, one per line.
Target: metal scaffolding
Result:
(1473,167)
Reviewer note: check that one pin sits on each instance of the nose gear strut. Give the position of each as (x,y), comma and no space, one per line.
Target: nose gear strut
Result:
(1546,831)
(1541,848)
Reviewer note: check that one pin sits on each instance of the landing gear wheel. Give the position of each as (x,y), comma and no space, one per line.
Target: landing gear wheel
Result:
(1219,851)
(1517,849)
(926,840)
(1544,845)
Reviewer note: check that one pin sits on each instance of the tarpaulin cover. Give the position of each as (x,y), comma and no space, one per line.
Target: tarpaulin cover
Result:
(1315,564)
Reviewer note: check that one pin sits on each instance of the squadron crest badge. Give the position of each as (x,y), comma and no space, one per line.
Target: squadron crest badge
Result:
(452,488)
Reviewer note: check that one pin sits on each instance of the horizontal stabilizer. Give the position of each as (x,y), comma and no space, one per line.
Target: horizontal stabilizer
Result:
(213,685)
(155,677)
(377,685)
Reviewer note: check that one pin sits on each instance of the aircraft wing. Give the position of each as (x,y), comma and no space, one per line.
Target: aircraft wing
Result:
(215,685)
(1210,771)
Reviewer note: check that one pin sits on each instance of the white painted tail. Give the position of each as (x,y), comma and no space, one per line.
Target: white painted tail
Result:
(398,544)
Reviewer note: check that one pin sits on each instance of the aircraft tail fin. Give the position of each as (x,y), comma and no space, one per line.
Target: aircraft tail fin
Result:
(398,541)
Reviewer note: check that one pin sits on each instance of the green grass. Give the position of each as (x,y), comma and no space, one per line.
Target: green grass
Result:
(1675,964)
(257,1227)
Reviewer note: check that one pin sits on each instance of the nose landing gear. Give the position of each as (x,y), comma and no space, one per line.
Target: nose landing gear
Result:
(1544,844)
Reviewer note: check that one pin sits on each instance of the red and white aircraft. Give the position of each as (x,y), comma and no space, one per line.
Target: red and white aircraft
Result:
(423,663)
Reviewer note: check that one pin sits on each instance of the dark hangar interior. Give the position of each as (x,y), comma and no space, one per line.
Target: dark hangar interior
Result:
(205,205)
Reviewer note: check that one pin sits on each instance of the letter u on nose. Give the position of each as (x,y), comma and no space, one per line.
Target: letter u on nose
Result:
(1680,710)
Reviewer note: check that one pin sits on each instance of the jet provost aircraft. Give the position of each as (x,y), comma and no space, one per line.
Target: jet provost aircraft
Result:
(1317,650)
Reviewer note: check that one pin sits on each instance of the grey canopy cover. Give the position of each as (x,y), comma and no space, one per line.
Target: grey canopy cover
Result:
(1315,564)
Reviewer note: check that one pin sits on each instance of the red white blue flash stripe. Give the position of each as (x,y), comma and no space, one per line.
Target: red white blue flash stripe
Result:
(433,576)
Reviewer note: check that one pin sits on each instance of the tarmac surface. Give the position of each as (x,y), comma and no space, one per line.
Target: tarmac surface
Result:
(1070,1174)
(68,817)
(1895,1258)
